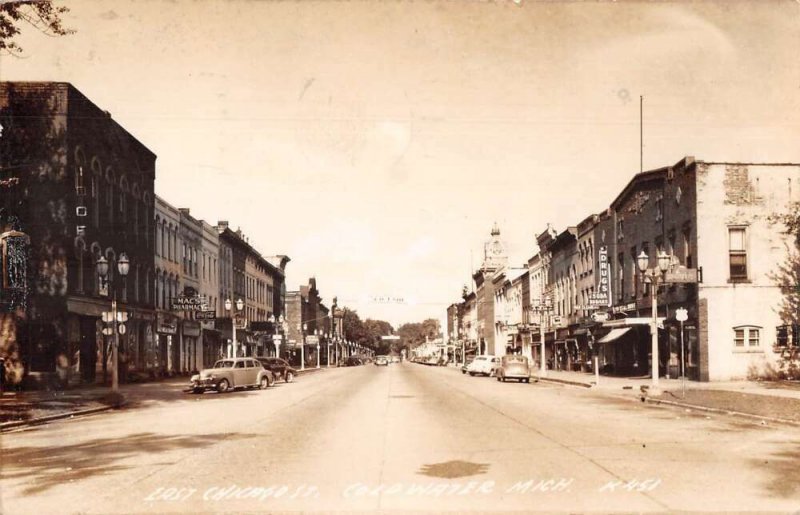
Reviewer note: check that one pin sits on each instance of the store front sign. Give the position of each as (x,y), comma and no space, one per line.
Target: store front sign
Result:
(166,324)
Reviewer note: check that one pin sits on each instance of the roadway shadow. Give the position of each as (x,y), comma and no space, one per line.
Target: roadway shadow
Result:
(783,468)
(46,467)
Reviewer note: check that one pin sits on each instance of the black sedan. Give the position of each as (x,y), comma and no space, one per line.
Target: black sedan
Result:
(280,368)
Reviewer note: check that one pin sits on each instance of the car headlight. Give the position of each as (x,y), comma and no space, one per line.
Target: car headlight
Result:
(213,376)
(195,377)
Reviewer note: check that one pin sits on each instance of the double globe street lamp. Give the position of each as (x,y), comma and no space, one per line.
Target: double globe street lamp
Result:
(654,277)
(239,307)
(123,267)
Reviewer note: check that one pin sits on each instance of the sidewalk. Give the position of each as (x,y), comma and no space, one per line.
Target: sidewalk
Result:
(769,400)
(26,408)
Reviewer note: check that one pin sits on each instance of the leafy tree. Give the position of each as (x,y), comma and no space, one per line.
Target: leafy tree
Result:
(787,276)
(364,332)
(40,14)
(415,333)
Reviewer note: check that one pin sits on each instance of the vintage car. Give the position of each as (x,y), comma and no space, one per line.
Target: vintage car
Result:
(466,364)
(484,365)
(513,367)
(227,374)
(279,367)
(382,361)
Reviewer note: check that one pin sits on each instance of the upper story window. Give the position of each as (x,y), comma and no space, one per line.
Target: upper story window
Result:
(659,209)
(687,248)
(620,227)
(745,337)
(737,253)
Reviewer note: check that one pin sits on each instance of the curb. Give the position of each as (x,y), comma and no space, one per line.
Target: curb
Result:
(6,426)
(561,381)
(676,404)
(720,411)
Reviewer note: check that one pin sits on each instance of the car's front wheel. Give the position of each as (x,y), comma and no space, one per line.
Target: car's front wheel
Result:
(289,377)
(264,382)
(223,386)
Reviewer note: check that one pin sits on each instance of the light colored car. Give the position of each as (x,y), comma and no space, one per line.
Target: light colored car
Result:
(483,365)
(382,361)
(227,374)
(514,367)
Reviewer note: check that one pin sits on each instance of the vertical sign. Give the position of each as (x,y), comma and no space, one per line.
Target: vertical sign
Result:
(604,286)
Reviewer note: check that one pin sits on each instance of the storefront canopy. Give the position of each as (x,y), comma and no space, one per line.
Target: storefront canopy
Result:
(632,321)
(614,334)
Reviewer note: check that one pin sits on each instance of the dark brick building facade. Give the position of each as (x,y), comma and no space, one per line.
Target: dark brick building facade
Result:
(85,190)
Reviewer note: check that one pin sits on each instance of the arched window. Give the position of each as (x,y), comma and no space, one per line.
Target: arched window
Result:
(110,194)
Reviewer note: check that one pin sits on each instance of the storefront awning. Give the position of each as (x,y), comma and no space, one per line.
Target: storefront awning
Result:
(614,334)
(631,321)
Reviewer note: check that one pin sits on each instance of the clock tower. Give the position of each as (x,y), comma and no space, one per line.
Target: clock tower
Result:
(494,251)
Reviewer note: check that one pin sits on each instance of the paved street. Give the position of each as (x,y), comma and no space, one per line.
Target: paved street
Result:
(399,438)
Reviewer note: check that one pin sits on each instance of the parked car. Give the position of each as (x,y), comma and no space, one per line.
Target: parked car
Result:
(469,360)
(483,365)
(227,374)
(352,361)
(394,359)
(382,361)
(514,367)
(280,368)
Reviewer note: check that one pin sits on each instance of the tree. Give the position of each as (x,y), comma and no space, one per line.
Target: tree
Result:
(787,277)
(415,333)
(366,333)
(40,14)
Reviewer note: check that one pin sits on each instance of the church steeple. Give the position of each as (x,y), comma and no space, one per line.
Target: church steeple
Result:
(495,230)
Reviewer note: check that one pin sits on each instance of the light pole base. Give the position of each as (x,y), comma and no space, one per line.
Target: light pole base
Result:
(651,391)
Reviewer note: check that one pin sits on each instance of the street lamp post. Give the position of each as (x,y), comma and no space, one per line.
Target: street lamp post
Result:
(328,343)
(653,276)
(317,334)
(302,349)
(229,307)
(123,266)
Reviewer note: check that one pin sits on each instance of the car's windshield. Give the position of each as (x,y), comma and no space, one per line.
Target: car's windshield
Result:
(223,363)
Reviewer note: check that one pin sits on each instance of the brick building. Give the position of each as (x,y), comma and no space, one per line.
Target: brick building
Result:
(83,188)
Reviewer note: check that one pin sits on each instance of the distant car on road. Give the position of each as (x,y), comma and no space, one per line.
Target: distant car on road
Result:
(227,374)
(280,368)
(483,365)
(382,361)
(514,367)
(394,359)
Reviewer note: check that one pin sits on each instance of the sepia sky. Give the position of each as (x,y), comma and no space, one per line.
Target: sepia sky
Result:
(375,143)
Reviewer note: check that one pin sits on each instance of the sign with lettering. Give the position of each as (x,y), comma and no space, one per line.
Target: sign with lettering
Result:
(602,296)
(205,315)
(681,275)
(188,303)
(622,308)
(312,339)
